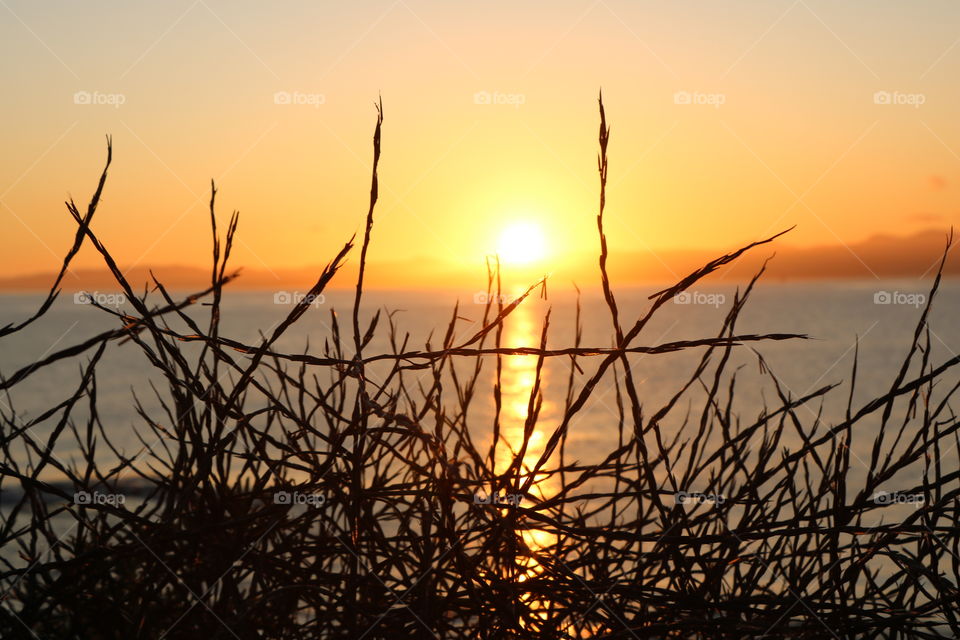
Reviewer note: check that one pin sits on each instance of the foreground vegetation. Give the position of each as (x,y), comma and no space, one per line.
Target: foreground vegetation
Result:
(339,493)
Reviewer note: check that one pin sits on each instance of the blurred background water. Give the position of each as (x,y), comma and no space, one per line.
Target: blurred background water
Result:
(882,315)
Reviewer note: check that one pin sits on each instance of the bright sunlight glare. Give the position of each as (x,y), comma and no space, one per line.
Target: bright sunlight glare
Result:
(521,243)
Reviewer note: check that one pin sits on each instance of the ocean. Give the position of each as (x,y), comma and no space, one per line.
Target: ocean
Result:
(882,315)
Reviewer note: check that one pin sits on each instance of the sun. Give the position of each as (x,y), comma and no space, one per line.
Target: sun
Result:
(521,243)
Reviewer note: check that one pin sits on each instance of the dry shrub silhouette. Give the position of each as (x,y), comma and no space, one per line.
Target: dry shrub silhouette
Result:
(297,495)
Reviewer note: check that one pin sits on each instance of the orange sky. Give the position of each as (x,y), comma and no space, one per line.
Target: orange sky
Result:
(783,127)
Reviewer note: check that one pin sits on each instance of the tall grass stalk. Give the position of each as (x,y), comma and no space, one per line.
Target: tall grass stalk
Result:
(407,542)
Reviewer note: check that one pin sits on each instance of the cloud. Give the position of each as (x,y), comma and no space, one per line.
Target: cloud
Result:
(925,217)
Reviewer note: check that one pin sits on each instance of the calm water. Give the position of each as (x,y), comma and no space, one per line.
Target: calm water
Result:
(833,314)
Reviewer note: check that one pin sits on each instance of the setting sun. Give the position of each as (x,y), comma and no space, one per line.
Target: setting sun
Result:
(521,243)
(477,320)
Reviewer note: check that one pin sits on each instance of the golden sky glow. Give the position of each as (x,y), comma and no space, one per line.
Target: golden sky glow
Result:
(730,120)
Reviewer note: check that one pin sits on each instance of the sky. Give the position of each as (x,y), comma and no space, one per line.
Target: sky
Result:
(730,120)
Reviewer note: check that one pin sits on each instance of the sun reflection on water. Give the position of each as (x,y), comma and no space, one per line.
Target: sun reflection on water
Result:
(518,382)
